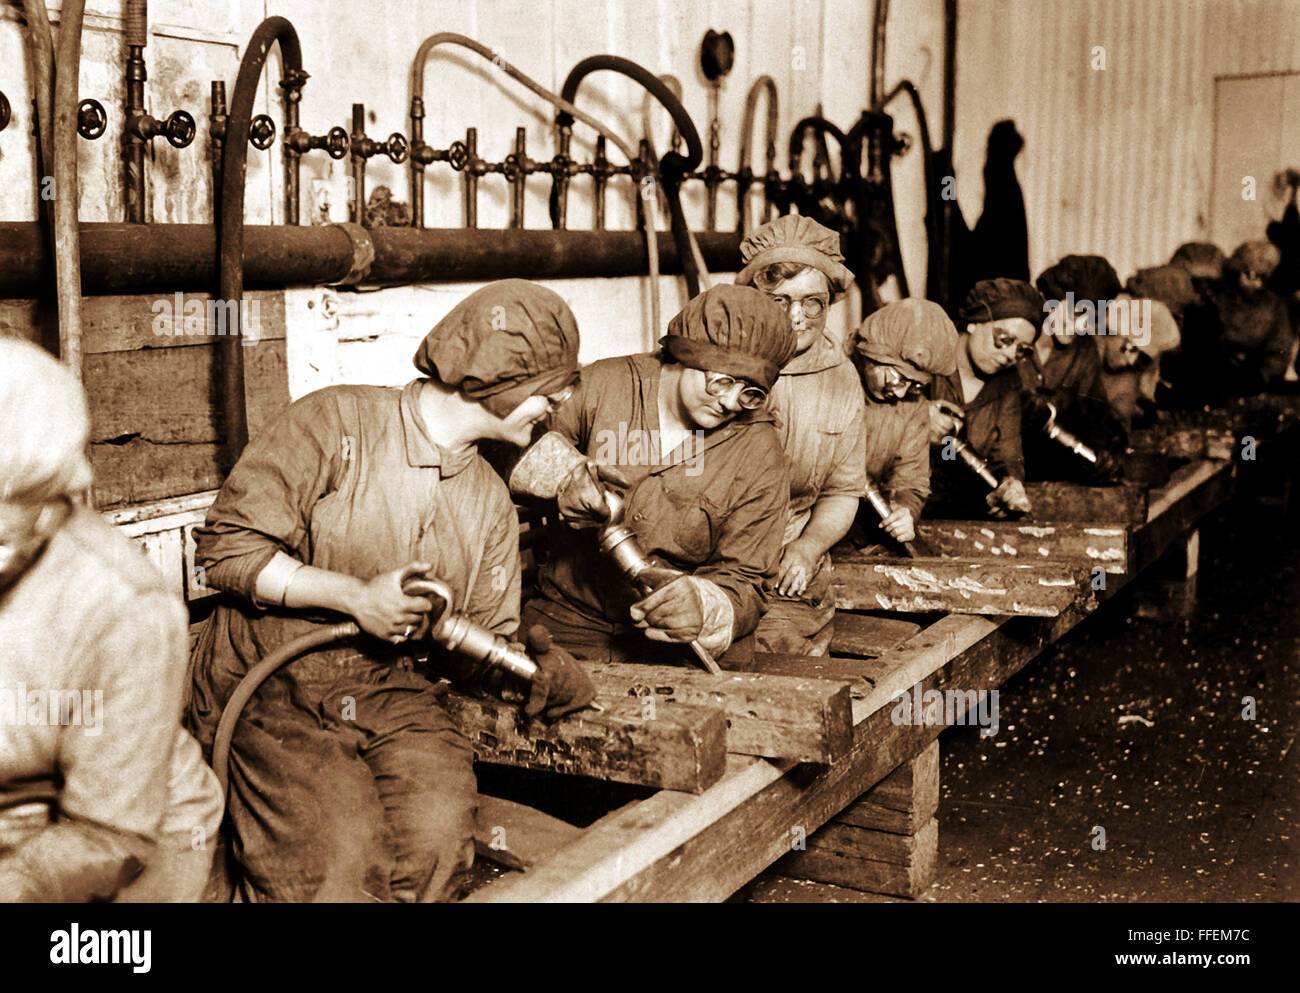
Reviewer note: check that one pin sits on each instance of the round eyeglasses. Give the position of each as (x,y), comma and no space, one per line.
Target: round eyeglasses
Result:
(719,384)
(812,306)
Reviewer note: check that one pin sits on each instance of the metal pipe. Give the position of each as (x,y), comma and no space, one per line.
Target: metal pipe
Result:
(67,246)
(139,258)
(764,84)
(234,168)
(357,201)
(40,47)
(292,85)
(137,36)
(474,167)
(878,53)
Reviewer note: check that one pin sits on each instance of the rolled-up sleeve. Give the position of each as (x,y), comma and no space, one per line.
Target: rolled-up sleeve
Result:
(115,765)
(265,505)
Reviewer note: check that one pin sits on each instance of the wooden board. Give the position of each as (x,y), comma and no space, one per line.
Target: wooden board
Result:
(866,636)
(683,748)
(516,836)
(1120,505)
(962,586)
(782,889)
(789,717)
(1090,543)
(1186,441)
(898,865)
(901,803)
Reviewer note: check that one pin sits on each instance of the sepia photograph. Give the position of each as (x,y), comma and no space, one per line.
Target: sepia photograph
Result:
(768,453)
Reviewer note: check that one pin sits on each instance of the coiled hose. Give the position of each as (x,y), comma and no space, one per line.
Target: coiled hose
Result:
(254,678)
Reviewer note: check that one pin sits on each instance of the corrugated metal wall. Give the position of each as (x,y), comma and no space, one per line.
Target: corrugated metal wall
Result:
(1117,161)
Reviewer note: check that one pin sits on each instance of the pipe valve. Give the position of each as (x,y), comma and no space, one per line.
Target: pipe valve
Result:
(179,128)
(334,143)
(4,112)
(92,119)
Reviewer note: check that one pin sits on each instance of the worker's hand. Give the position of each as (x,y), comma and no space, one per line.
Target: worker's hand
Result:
(1009,496)
(561,685)
(899,525)
(945,420)
(674,612)
(383,610)
(581,498)
(797,568)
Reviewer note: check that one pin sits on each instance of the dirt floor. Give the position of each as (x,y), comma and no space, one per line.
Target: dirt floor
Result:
(1136,727)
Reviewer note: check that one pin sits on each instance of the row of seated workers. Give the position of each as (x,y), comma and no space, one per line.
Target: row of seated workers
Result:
(740,450)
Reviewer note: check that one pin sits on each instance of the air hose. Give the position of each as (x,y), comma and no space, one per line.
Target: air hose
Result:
(672,167)
(568,113)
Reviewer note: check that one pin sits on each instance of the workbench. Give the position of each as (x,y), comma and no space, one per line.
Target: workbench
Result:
(679,846)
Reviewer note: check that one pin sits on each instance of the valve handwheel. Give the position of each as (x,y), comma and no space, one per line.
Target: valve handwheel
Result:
(261,132)
(180,129)
(4,112)
(457,155)
(92,119)
(337,143)
(396,148)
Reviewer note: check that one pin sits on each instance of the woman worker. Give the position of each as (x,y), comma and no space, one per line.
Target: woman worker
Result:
(899,350)
(819,407)
(702,476)
(349,782)
(1065,369)
(135,809)
(980,402)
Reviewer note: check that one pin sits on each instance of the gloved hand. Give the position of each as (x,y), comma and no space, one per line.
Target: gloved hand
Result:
(561,685)
(1009,496)
(581,497)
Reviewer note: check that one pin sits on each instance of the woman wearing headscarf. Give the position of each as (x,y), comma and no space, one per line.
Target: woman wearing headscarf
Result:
(1065,370)
(697,461)
(899,350)
(82,610)
(348,780)
(1256,341)
(819,407)
(980,402)
(1140,330)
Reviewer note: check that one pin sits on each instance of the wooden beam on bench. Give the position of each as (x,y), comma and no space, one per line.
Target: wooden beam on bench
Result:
(1120,505)
(683,748)
(790,717)
(867,636)
(1091,544)
(962,586)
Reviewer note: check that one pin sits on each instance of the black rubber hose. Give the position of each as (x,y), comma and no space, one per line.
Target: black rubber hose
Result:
(672,166)
(234,169)
(255,677)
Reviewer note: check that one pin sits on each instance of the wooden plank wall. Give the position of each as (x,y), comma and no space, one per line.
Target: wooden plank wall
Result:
(153,420)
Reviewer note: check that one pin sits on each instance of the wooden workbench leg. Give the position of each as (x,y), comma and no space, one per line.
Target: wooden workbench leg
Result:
(887,841)
(1170,592)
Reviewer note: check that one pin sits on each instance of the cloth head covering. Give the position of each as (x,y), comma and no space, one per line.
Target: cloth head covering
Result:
(999,299)
(802,240)
(733,329)
(44,424)
(1169,284)
(1130,315)
(915,336)
(502,344)
(1201,259)
(1259,257)
(1086,277)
